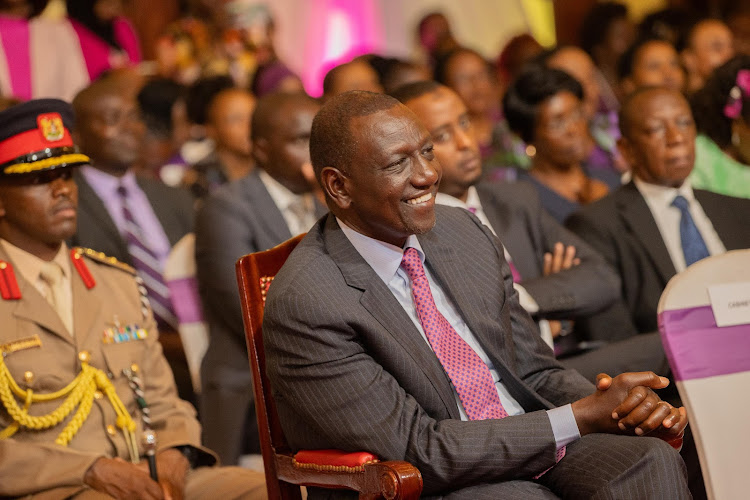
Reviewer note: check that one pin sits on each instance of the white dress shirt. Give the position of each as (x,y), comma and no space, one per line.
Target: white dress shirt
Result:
(385,260)
(659,200)
(298,210)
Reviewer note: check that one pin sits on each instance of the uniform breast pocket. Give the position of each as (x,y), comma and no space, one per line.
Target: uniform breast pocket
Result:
(124,355)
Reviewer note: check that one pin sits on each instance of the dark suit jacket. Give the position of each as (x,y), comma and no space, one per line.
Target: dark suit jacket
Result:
(96,229)
(350,370)
(620,226)
(528,232)
(237,219)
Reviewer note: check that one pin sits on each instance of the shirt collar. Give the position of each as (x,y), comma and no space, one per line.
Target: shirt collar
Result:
(30,265)
(108,182)
(282,196)
(664,195)
(472,200)
(383,258)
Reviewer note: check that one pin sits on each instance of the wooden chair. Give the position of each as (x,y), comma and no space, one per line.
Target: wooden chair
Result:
(286,472)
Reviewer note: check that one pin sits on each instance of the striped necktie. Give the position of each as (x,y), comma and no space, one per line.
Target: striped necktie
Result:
(148,266)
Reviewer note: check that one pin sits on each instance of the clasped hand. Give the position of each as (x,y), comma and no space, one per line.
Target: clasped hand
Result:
(627,404)
(120,479)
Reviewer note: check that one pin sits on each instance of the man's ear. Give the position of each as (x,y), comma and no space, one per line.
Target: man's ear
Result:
(260,150)
(335,184)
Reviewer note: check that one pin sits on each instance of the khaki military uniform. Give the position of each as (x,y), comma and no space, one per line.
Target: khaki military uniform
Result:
(30,461)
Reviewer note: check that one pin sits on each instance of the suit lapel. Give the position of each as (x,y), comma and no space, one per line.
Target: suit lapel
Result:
(163,208)
(93,207)
(724,222)
(271,220)
(637,216)
(509,232)
(378,300)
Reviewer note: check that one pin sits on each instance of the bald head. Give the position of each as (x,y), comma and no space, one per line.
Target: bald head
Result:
(658,136)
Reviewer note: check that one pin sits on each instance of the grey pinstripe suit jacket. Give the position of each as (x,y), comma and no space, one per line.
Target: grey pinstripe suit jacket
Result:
(350,370)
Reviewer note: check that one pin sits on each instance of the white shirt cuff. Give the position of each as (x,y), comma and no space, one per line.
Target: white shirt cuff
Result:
(564,426)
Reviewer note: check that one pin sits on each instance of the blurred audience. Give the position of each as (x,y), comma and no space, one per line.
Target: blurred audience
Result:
(708,45)
(353,75)
(435,37)
(199,145)
(254,213)
(163,107)
(107,39)
(228,126)
(28,67)
(469,75)
(606,33)
(544,106)
(650,62)
(722,117)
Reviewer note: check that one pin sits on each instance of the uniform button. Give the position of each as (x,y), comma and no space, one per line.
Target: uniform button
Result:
(111,430)
(134,368)
(84,356)
(28,377)
(98,395)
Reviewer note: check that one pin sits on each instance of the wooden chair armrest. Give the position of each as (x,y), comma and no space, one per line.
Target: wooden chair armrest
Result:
(360,472)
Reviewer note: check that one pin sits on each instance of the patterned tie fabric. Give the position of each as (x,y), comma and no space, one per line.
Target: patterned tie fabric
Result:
(148,267)
(470,375)
(693,245)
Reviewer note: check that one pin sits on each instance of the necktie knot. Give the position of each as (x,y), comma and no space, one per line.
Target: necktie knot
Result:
(51,273)
(680,202)
(472,209)
(412,264)
(122,191)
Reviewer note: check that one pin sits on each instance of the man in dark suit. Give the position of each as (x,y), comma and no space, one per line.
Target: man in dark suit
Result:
(367,349)
(255,213)
(557,275)
(638,228)
(109,131)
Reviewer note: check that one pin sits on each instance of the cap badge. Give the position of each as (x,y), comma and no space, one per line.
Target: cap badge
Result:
(51,126)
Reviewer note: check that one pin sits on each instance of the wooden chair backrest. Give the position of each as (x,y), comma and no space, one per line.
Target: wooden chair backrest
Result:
(255,273)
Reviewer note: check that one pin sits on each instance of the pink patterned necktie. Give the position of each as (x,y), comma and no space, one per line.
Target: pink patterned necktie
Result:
(469,374)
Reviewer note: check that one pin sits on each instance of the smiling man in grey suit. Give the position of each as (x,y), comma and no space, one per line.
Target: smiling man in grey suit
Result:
(257,212)
(444,369)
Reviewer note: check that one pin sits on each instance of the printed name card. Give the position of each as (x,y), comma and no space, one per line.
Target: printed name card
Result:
(730,303)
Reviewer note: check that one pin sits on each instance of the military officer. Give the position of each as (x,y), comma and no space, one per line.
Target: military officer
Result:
(84,386)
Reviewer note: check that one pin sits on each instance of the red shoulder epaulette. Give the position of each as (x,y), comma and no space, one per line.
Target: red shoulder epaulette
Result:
(9,289)
(83,270)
